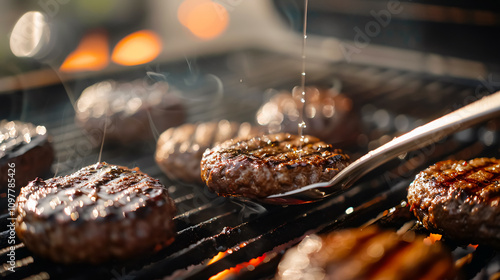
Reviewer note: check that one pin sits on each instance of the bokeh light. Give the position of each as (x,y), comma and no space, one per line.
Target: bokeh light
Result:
(204,18)
(92,54)
(30,34)
(137,48)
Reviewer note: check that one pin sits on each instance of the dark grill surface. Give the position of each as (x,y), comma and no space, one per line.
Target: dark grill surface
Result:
(390,102)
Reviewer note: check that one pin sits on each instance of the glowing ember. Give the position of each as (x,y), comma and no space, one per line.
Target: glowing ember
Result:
(219,256)
(233,270)
(92,54)
(250,265)
(137,48)
(204,18)
(432,238)
(473,246)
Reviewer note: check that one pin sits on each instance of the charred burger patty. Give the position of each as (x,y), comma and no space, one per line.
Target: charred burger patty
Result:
(370,253)
(269,164)
(99,213)
(460,199)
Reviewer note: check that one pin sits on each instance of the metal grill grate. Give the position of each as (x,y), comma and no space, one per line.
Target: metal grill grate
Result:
(207,224)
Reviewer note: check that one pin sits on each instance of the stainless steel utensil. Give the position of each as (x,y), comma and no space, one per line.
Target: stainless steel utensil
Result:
(486,108)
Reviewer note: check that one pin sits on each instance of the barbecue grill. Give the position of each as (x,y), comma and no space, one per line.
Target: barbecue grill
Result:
(232,238)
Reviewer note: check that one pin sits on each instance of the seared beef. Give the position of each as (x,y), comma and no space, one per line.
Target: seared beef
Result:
(270,164)
(366,254)
(460,199)
(130,111)
(99,213)
(329,115)
(179,150)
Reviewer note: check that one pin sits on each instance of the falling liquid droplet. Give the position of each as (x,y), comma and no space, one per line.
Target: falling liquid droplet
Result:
(302,124)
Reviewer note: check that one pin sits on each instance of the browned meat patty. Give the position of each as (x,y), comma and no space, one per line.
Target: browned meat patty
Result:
(269,164)
(370,253)
(131,111)
(25,153)
(179,149)
(460,199)
(329,115)
(99,213)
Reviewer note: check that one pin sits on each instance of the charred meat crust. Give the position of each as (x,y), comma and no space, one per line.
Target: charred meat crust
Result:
(460,199)
(270,164)
(99,213)
(369,253)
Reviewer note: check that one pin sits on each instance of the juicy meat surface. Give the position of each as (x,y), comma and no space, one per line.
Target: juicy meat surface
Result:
(460,199)
(179,149)
(370,253)
(96,214)
(269,164)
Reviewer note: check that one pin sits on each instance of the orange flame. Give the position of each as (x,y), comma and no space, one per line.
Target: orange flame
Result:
(233,270)
(432,238)
(137,48)
(92,54)
(204,18)
(217,257)
(220,255)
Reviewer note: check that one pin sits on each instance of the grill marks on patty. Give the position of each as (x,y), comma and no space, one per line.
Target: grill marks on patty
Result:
(480,178)
(370,253)
(460,199)
(109,189)
(270,164)
(288,153)
(99,213)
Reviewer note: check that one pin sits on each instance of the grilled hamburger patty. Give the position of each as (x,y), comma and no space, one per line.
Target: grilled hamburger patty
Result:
(25,149)
(330,116)
(269,164)
(460,199)
(370,253)
(99,213)
(130,111)
(179,149)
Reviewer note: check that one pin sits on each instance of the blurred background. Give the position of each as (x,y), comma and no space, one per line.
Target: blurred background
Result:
(90,38)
